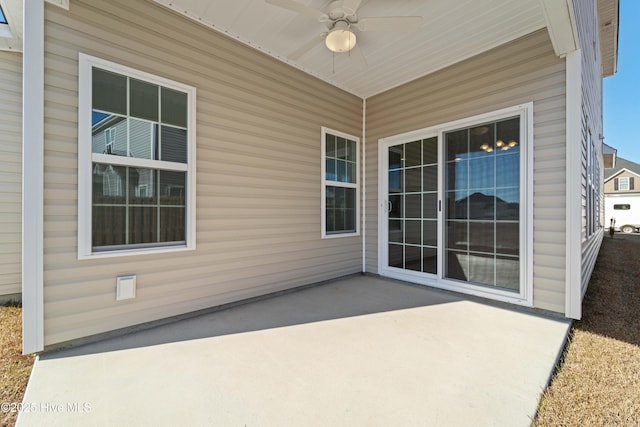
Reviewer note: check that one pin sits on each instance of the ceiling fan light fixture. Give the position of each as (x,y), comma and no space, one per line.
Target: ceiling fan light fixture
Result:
(340,40)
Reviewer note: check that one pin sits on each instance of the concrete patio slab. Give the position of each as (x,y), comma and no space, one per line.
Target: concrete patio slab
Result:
(358,352)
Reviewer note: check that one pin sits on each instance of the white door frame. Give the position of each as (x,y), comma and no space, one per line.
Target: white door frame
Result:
(525,295)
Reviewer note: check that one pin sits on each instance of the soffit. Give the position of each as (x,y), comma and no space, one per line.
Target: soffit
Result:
(451,32)
(608,18)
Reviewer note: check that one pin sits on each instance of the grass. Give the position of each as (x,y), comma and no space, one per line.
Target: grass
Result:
(15,368)
(598,381)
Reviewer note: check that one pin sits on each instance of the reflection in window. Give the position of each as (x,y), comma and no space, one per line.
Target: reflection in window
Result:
(130,205)
(140,120)
(482,209)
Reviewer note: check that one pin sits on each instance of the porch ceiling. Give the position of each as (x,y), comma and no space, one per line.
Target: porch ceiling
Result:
(451,32)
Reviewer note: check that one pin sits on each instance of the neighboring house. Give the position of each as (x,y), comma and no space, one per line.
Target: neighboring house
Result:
(454,159)
(624,178)
(622,195)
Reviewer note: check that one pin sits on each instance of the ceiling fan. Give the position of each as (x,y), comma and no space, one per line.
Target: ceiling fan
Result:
(341,18)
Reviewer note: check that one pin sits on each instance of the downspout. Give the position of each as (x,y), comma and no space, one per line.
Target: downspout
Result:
(364,185)
(32,176)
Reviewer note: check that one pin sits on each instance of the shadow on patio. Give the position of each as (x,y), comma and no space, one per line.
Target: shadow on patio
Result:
(360,351)
(362,295)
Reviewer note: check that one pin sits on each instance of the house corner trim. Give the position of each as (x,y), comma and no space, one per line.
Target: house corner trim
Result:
(33,178)
(573,279)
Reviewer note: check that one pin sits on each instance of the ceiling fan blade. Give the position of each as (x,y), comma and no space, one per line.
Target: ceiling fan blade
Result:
(351,6)
(300,8)
(302,50)
(357,56)
(390,23)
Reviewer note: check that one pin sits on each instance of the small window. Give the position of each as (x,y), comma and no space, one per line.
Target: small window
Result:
(621,207)
(340,189)
(137,150)
(623,183)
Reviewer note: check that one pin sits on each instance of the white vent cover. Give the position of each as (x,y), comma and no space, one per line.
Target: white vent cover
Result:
(125,287)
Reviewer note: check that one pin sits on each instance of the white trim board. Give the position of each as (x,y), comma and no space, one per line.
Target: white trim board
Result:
(573,224)
(33,178)
(561,24)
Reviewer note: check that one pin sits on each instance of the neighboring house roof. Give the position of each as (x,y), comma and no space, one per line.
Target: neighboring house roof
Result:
(622,165)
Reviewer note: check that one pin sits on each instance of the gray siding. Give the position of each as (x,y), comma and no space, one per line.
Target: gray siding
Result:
(587,21)
(10,173)
(522,71)
(258,171)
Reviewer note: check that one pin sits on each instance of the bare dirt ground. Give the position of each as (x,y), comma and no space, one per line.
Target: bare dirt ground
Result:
(598,382)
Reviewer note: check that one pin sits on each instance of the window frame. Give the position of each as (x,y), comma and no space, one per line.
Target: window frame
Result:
(110,137)
(325,182)
(627,184)
(86,63)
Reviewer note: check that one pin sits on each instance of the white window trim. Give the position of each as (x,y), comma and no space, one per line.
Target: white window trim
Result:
(324,182)
(525,296)
(85,158)
(110,137)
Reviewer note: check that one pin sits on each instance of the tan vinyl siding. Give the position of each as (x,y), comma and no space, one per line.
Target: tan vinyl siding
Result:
(522,71)
(610,186)
(258,171)
(587,22)
(10,173)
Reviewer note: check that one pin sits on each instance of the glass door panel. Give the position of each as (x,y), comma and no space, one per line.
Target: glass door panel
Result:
(482,209)
(413,206)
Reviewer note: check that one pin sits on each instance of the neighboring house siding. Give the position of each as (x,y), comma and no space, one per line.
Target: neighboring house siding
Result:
(522,71)
(10,173)
(610,185)
(258,171)
(587,22)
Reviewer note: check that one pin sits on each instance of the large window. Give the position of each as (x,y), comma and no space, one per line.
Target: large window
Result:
(340,192)
(136,150)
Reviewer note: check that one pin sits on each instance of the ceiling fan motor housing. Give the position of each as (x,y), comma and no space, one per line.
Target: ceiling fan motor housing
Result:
(338,13)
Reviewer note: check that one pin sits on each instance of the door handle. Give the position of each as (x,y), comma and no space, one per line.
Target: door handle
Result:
(389,206)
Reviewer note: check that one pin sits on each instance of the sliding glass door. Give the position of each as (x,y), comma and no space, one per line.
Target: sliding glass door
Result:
(451,206)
